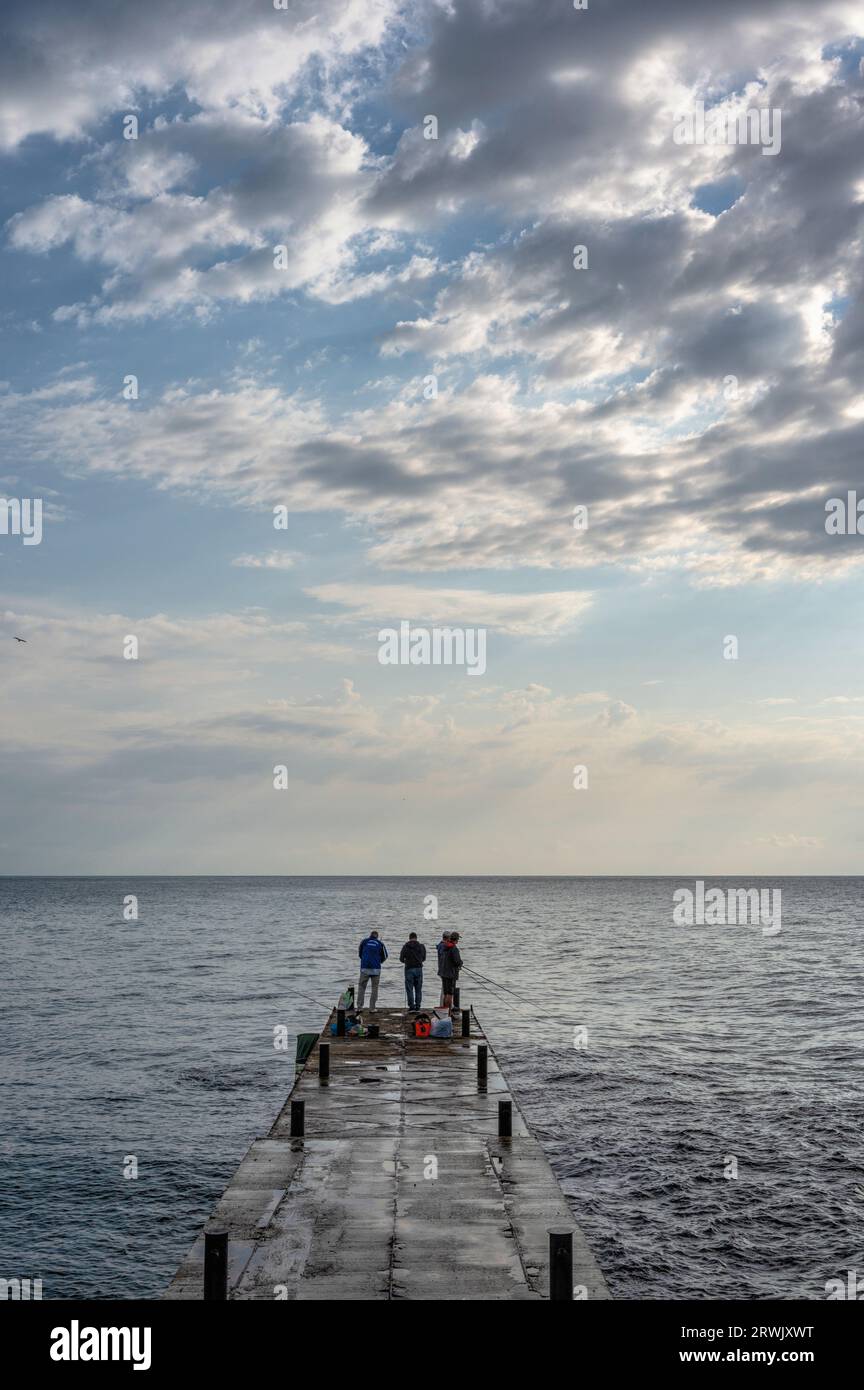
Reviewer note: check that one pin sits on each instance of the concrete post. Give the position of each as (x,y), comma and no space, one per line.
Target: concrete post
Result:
(323,1061)
(215,1266)
(505,1119)
(298,1119)
(466,1023)
(340,1023)
(560,1265)
(482,1066)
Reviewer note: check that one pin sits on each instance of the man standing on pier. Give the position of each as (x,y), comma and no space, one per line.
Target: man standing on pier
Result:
(449,965)
(412,956)
(442,945)
(373,954)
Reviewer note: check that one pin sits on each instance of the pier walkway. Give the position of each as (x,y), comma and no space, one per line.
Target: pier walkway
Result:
(399,1188)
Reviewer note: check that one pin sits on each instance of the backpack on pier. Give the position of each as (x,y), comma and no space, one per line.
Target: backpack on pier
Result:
(442,1025)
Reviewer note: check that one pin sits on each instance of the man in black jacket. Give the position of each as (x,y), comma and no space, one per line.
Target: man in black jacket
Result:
(449,965)
(412,956)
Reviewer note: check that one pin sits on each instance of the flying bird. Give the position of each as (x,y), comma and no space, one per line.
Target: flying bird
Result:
(21,639)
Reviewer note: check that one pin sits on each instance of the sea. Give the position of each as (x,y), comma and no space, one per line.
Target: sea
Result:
(698,1089)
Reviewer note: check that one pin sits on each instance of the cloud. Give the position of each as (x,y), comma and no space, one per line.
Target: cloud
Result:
(197,725)
(175,250)
(520,615)
(696,387)
(274,170)
(445,484)
(66,67)
(616,714)
(792,841)
(269,560)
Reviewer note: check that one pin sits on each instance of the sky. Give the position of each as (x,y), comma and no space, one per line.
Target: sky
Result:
(317,265)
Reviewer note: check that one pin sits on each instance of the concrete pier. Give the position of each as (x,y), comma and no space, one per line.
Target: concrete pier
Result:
(399,1188)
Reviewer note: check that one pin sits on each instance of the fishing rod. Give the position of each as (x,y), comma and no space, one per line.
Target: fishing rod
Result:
(309,999)
(490,986)
(526,1003)
(487,981)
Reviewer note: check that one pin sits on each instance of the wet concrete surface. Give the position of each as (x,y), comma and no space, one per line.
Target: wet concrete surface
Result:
(400,1187)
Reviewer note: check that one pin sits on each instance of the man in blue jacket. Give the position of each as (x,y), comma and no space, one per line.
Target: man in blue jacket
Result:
(373,954)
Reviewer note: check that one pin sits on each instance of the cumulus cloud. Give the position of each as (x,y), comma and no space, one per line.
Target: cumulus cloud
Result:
(176,250)
(696,386)
(66,66)
(488,478)
(243,70)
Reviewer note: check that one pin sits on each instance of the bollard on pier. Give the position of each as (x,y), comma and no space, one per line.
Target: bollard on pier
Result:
(560,1265)
(215,1266)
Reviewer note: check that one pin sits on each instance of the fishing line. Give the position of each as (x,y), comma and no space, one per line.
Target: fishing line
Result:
(309,999)
(489,986)
(486,980)
(527,1004)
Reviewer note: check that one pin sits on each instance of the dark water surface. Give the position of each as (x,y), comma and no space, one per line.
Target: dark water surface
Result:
(155,1039)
